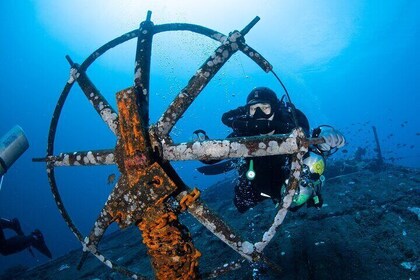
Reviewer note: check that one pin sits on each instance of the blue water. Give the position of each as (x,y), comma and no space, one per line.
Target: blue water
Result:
(351,65)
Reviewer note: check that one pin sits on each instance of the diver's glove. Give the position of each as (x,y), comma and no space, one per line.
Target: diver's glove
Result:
(333,138)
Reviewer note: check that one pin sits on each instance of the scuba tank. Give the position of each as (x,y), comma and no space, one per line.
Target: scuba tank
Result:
(12,145)
(311,180)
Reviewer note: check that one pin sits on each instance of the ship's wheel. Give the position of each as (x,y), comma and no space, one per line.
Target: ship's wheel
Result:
(149,193)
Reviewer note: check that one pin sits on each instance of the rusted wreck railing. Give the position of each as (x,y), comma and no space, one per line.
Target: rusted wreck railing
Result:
(149,193)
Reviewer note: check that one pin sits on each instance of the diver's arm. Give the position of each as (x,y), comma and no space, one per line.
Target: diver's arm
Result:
(231,116)
(334,139)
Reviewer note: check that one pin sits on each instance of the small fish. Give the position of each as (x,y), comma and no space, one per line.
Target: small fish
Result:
(111,178)
(344,151)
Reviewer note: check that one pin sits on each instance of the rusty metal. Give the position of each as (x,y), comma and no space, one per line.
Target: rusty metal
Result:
(169,245)
(148,182)
(188,199)
(132,151)
(151,189)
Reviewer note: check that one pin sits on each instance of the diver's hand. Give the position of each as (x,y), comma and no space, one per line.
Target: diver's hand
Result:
(256,127)
(252,126)
(240,123)
(333,139)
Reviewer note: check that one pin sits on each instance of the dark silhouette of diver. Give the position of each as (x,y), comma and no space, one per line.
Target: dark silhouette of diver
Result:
(21,241)
(12,145)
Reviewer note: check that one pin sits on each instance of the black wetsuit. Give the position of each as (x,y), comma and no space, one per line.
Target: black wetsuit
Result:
(271,171)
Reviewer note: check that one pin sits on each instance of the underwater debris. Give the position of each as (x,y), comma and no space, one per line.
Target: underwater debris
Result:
(409,265)
(415,210)
(379,159)
(353,242)
(63,267)
(360,153)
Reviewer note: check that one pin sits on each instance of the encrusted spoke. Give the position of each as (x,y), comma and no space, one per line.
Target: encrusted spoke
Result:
(256,57)
(233,148)
(100,104)
(105,217)
(292,185)
(91,242)
(219,228)
(85,158)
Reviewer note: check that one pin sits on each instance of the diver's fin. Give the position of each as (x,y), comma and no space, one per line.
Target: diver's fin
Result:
(218,168)
(39,243)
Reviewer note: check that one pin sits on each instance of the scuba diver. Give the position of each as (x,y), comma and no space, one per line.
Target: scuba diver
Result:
(266,177)
(12,145)
(21,242)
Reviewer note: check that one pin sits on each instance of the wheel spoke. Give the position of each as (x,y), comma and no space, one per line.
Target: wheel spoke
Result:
(219,228)
(256,57)
(142,68)
(91,242)
(101,105)
(85,158)
(233,147)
